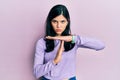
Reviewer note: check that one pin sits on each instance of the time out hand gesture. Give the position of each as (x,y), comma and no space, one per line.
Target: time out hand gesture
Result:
(61,47)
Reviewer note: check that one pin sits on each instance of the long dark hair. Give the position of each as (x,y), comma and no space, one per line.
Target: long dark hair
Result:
(54,12)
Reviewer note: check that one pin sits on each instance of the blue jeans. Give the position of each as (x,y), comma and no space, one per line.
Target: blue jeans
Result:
(43,78)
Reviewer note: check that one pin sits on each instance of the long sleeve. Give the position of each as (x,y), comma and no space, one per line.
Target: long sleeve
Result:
(40,68)
(90,43)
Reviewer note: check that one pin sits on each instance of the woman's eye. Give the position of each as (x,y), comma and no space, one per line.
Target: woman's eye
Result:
(62,21)
(54,21)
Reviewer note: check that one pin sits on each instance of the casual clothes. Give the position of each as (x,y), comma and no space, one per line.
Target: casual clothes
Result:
(43,62)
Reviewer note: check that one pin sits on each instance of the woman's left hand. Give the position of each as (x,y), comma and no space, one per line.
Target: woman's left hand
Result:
(64,38)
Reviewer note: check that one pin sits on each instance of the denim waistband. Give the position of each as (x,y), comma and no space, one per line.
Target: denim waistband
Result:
(43,78)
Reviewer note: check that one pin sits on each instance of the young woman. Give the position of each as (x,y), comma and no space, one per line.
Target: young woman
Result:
(56,52)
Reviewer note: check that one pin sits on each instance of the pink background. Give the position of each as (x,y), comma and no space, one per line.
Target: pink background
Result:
(22,24)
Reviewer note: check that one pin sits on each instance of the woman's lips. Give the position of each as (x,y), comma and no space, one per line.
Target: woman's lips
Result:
(58,30)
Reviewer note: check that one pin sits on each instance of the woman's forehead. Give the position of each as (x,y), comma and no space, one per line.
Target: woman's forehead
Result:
(60,17)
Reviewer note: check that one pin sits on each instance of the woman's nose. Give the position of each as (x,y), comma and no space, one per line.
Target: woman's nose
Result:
(58,24)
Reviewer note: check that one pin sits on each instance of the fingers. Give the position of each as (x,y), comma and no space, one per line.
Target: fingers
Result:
(55,37)
(50,37)
(62,45)
(62,38)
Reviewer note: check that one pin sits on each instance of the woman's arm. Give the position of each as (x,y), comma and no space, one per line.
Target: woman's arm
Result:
(40,68)
(59,53)
(83,42)
(90,43)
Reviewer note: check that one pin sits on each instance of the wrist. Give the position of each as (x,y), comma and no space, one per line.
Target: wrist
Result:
(73,39)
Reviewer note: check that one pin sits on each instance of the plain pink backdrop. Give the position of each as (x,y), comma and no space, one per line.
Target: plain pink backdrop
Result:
(22,24)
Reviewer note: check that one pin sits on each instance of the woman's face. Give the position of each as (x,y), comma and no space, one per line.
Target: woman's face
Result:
(59,24)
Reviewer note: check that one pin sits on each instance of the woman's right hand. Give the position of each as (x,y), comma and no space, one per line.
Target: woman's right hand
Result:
(64,38)
(59,53)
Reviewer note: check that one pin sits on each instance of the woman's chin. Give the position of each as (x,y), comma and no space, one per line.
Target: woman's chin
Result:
(58,33)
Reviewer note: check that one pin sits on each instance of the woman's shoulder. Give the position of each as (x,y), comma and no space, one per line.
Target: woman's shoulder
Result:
(41,41)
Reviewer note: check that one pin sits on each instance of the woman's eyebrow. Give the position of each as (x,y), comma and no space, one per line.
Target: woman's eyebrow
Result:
(62,20)
(54,20)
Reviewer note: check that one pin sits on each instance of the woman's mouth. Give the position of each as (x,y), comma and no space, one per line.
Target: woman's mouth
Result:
(58,30)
